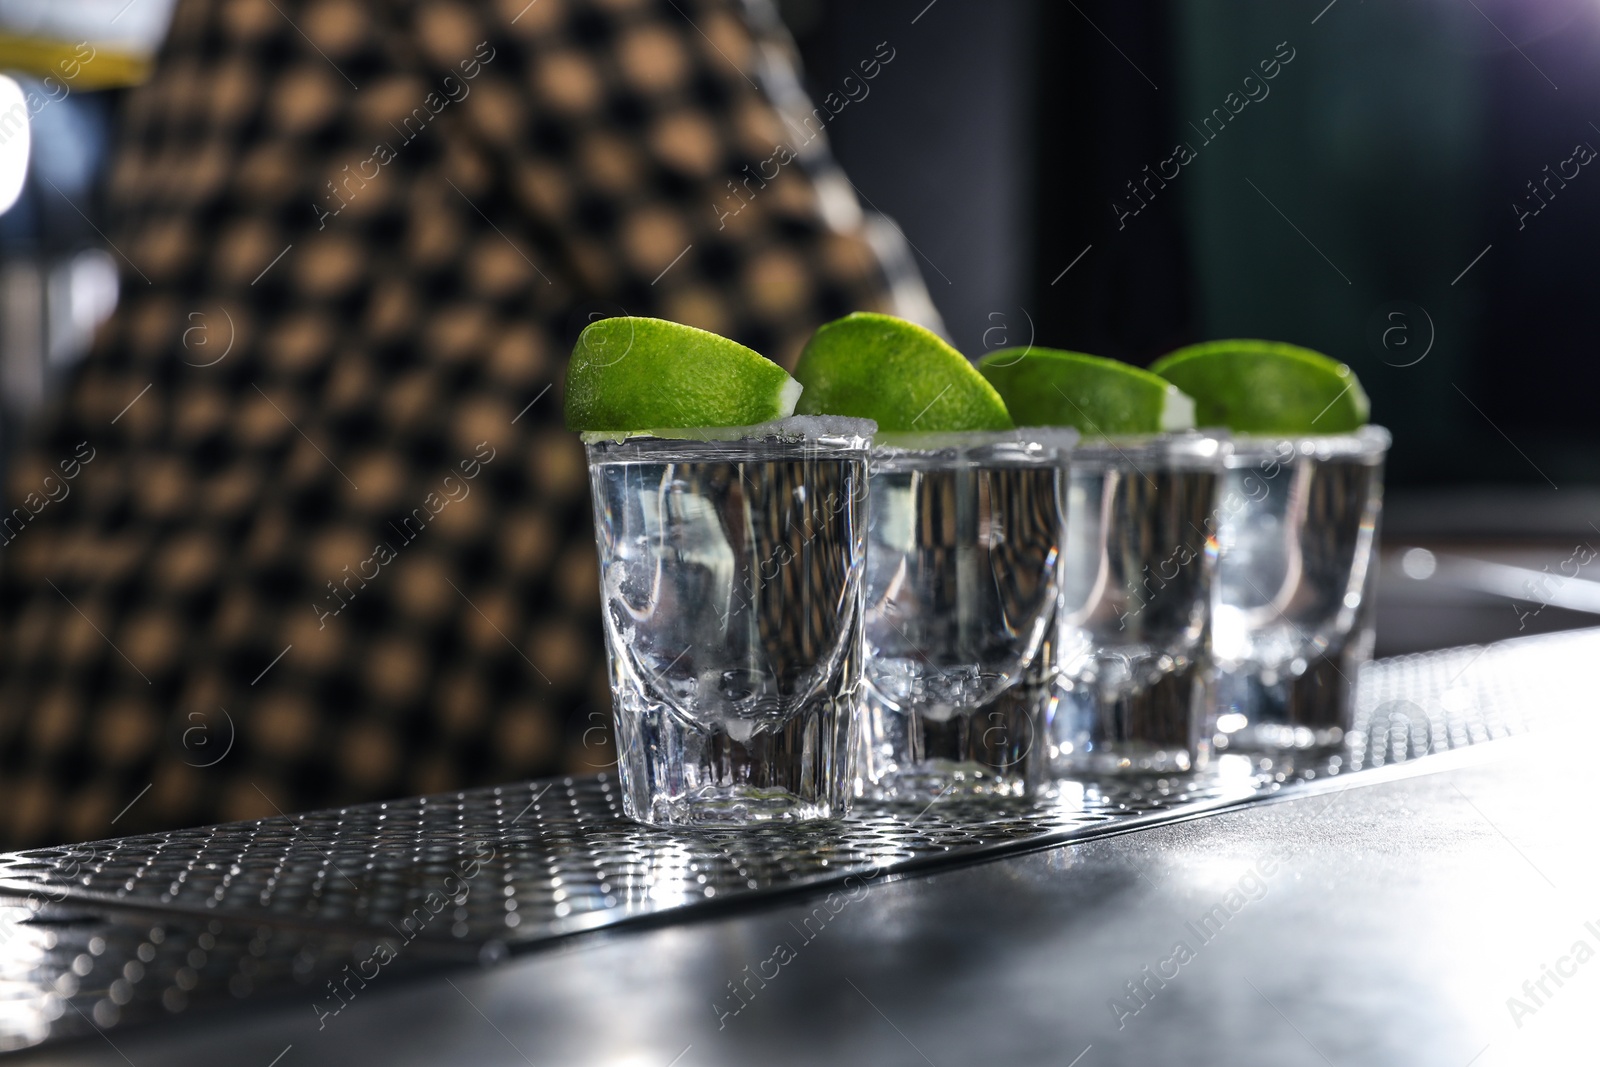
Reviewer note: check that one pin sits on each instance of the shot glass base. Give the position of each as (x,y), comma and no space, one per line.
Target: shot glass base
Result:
(1130,758)
(732,806)
(1270,738)
(930,754)
(1287,714)
(678,772)
(1154,726)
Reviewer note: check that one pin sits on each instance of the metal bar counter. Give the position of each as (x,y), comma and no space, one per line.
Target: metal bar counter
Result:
(1428,897)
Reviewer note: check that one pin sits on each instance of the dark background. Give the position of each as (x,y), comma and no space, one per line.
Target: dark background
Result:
(1341,212)
(1385,159)
(1364,207)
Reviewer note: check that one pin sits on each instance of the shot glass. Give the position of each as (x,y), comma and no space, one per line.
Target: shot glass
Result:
(1298,537)
(963,546)
(1133,674)
(731,583)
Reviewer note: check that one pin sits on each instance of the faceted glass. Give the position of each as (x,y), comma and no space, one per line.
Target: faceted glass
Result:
(963,545)
(1132,651)
(1298,538)
(731,584)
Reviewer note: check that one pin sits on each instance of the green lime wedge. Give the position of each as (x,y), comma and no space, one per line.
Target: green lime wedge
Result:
(630,373)
(897,373)
(1049,387)
(1267,387)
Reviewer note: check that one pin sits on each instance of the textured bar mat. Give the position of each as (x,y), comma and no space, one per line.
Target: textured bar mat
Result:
(112,932)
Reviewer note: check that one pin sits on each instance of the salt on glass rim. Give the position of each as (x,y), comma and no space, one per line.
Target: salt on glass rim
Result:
(796,428)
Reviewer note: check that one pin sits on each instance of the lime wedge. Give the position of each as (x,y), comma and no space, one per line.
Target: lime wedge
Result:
(1267,387)
(1049,387)
(897,373)
(630,373)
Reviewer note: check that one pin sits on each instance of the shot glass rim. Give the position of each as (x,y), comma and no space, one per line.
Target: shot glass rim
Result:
(1370,442)
(1042,443)
(844,435)
(1202,448)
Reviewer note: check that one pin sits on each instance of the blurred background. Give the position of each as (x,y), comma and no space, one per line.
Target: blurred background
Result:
(1405,186)
(1406,192)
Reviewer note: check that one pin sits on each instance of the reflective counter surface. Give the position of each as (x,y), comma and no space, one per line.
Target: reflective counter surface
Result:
(1441,909)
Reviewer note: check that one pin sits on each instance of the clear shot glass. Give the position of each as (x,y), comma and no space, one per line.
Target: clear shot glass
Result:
(1133,673)
(1298,537)
(731,564)
(963,547)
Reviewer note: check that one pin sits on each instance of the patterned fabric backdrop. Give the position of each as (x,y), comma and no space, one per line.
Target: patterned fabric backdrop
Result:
(306,529)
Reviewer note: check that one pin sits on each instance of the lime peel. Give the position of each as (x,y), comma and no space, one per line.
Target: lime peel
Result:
(631,373)
(1267,387)
(901,375)
(1096,395)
